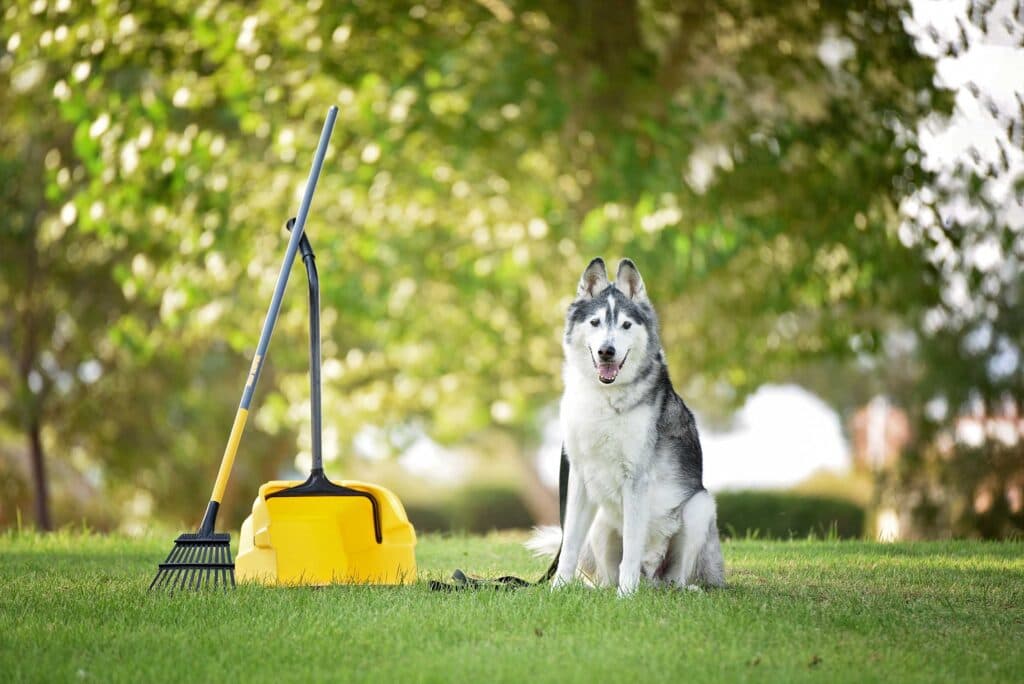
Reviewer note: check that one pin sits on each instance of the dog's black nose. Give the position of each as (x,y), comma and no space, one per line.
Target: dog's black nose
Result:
(606,353)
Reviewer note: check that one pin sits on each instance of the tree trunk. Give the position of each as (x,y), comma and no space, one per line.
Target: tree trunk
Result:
(42,495)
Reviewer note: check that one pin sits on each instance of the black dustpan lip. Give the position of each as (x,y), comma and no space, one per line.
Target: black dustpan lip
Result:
(317,484)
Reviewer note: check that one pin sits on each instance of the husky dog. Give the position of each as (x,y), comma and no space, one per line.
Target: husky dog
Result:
(636,506)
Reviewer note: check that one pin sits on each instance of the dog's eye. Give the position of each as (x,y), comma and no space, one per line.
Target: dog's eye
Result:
(626,325)
(595,321)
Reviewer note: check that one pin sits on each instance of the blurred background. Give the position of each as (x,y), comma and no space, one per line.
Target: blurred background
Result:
(825,200)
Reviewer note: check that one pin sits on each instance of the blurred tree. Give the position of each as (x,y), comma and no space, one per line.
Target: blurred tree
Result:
(750,156)
(96,376)
(964,475)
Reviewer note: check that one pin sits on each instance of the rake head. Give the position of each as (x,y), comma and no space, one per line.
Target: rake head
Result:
(197,561)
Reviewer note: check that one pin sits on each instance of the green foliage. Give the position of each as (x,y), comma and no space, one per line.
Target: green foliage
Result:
(151,152)
(782,515)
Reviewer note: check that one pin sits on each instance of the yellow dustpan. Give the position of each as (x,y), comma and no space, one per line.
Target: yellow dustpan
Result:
(318,532)
(299,534)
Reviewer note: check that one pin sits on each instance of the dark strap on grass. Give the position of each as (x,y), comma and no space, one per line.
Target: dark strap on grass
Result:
(461,581)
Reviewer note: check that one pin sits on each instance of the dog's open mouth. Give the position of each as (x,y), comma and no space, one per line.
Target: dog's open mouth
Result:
(607,372)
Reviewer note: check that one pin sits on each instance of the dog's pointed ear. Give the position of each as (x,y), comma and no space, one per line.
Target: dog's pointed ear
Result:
(629,282)
(594,279)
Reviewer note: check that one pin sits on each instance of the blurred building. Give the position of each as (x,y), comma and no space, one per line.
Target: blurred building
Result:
(880,432)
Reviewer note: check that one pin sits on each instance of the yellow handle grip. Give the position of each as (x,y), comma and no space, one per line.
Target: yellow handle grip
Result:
(229,455)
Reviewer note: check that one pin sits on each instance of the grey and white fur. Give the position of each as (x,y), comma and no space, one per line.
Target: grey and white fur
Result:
(636,505)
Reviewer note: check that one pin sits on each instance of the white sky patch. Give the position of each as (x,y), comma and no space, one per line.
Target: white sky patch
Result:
(427,459)
(782,434)
(833,50)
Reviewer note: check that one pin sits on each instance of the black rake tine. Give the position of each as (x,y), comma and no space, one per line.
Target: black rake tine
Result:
(165,579)
(183,572)
(176,580)
(172,580)
(159,573)
(170,577)
(200,558)
(197,573)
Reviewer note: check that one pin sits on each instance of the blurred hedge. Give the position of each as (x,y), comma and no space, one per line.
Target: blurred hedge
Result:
(475,509)
(771,515)
(781,515)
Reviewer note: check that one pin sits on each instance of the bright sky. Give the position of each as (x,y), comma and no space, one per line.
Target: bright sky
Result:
(780,436)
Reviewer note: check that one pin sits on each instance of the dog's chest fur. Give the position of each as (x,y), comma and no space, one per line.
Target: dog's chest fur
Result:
(609,447)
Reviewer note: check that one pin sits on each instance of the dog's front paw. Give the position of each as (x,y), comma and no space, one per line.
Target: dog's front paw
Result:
(627,586)
(560,581)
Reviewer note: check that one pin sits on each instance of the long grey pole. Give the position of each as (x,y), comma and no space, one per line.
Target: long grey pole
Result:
(268,323)
(289,258)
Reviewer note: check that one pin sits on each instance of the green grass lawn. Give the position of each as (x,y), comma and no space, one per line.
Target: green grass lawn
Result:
(75,608)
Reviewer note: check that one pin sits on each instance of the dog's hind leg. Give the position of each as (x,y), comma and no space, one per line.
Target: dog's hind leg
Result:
(710,570)
(688,545)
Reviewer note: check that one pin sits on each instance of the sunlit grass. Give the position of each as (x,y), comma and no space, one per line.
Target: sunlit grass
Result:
(75,608)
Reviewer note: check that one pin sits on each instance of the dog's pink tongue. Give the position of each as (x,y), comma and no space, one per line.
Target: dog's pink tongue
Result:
(607,371)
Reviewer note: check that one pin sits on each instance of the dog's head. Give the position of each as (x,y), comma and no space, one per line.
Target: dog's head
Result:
(610,328)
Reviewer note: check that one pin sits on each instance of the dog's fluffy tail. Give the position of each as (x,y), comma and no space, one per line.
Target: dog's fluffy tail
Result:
(545,541)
